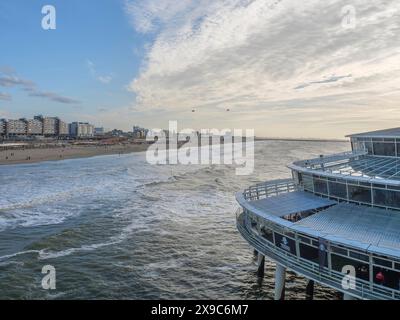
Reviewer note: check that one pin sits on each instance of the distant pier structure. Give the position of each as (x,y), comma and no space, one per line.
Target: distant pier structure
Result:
(336,221)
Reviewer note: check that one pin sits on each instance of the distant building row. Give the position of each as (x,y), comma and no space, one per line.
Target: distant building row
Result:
(44,126)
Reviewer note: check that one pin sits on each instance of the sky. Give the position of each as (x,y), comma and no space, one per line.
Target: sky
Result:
(286,68)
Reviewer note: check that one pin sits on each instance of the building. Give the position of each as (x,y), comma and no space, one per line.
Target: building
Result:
(62,128)
(16,127)
(99,131)
(336,219)
(34,127)
(81,130)
(3,127)
(50,125)
(139,133)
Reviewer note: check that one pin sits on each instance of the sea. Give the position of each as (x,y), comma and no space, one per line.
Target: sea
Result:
(118,227)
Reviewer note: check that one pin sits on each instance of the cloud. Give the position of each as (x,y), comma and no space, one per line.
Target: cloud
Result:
(330,79)
(105,79)
(248,55)
(9,79)
(53,97)
(5,96)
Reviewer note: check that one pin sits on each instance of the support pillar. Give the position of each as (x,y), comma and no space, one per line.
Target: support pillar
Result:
(280,276)
(261,265)
(310,290)
(348,297)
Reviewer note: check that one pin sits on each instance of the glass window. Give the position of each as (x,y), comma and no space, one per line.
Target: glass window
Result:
(387,198)
(267,234)
(285,243)
(382,262)
(307,182)
(368,147)
(384,149)
(309,253)
(320,186)
(361,194)
(359,256)
(387,278)
(339,250)
(362,268)
(337,190)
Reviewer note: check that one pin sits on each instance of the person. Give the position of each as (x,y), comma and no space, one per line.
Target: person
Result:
(380,278)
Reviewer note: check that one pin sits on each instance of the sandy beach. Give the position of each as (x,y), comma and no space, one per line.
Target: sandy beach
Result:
(69,152)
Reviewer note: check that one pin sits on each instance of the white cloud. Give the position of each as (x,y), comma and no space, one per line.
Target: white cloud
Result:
(261,58)
(105,79)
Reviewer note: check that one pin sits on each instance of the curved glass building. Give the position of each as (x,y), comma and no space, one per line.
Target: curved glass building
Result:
(336,221)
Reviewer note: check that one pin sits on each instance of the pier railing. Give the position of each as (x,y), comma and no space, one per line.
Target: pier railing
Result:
(338,157)
(334,279)
(269,189)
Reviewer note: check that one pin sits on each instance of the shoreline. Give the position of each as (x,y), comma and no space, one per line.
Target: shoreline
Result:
(36,155)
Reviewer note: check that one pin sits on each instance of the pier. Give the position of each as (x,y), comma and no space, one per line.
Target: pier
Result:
(336,213)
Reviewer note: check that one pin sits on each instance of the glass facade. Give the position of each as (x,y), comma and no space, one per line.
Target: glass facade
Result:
(381,195)
(388,147)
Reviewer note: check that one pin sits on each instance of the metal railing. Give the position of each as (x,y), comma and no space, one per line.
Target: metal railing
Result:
(363,289)
(348,155)
(270,189)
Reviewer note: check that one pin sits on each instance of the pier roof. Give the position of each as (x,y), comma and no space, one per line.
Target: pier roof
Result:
(386,133)
(364,168)
(367,228)
(291,203)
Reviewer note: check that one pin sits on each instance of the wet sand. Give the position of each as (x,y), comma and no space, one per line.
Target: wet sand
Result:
(70,152)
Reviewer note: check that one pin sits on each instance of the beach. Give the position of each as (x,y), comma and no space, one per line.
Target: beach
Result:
(33,155)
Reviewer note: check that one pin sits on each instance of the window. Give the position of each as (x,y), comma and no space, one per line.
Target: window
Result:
(368,147)
(359,256)
(382,262)
(387,198)
(337,190)
(362,269)
(309,253)
(387,278)
(361,194)
(267,234)
(339,250)
(285,243)
(308,183)
(320,186)
(384,149)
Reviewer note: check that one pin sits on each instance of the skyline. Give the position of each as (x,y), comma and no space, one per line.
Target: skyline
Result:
(283,68)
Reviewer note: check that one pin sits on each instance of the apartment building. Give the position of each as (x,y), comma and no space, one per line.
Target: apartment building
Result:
(3,127)
(81,130)
(34,127)
(63,129)
(16,127)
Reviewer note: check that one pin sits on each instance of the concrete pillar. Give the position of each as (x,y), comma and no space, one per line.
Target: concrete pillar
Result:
(261,265)
(346,296)
(280,276)
(310,290)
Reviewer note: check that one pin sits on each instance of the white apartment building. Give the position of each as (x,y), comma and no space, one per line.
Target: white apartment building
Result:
(81,130)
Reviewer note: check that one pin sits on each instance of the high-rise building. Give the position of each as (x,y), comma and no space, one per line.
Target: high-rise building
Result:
(81,130)
(62,128)
(3,127)
(50,125)
(16,127)
(34,127)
